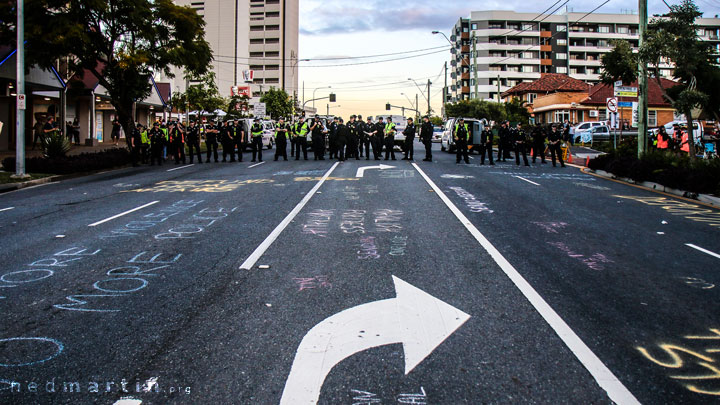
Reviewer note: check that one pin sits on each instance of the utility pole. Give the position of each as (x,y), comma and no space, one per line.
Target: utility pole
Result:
(21,100)
(642,84)
(417,106)
(498,84)
(445,92)
(428,97)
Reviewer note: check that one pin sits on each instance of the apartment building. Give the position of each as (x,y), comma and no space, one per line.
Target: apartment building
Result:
(496,50)
(256,35)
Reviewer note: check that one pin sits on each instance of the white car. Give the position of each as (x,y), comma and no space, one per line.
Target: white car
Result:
(593,133)
(697,129)
(268,133)
(437,134)
(584,127)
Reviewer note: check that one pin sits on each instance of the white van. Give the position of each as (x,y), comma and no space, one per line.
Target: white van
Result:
(268,132)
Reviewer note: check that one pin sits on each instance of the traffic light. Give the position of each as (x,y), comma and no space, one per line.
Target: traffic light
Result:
(387,106)
(332,97)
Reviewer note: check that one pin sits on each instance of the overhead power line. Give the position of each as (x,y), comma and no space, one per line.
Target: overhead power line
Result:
(336,58)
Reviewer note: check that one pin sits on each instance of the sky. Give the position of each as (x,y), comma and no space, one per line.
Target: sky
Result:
(331,29)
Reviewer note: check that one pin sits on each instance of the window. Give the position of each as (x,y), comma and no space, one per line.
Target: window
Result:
(496,54)
(495,69)
(256,40)
(531,97)
(272,67)
(560,28)
(562,115)
(622,29)
(603,43)
(495,25)
(258,81)
(272,54)
(272,80)
(528,27)
(573,71)
(256,28)
(561,69)
(474,26)
(604,29)
(272,28)
(256,54)
(272,14)
(530,69)
(272,40)
(560,55)
(514,69)
(529,41)
(652,118)
(602,114)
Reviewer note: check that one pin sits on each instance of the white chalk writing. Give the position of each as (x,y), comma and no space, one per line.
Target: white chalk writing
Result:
(471,201)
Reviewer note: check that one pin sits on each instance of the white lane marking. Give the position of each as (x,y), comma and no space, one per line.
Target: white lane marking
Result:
(256,164)
(128,401)
(603,376)
(260,250)
(181,167)
(7,209)
(123,213)
(523,178)
(39,185)
(703,250)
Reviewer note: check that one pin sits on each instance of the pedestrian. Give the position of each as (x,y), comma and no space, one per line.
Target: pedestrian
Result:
(228,142)
(460,135)
(281,136)
(38,134)
(301,132)
(293,138)
(157,141)
(426,133)
(379,138)
(318,138)
(486,145)
(554,139)
(538,140)
(567,134)
(193,141)
(76,130)
(520,145)
(211,141)
(663,139)
(368,133)
(166,145)
(409,133)
(49,129)
(257,139)
(503,139)
(342,135)
(177,140)
(115,134)
(390,139)
(238,132)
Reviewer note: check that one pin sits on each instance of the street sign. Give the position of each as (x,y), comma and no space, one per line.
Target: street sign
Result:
(21,102)
(612,104)
(625,91)
(625,104)
(634,121)
(259,110)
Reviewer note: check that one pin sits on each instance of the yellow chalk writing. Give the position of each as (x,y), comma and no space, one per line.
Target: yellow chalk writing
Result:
(671,350)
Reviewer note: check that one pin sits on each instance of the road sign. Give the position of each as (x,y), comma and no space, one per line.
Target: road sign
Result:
(259,110)
(625,104)
(625,91)
(634,121)
(612,104)
(414,318)
(361,170)
(21,102)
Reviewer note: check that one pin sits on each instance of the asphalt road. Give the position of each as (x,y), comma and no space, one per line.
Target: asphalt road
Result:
(299,282)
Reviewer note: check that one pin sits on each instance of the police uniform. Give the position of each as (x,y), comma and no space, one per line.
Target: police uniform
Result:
(352,140)
(368,133)
(520,145)
(301,132)
(177,140)
(193,142)
(318,139)
(486,145)
(426,132)
(409,133)
(460,135)
(228,142)
(389,140)
(332,138)
(503,139)
(554,139)
(238,133)
(360,128)
(281,136)
(211,141)
(157,141)
(257,137)
(342,134)
(538,139)
(378,138)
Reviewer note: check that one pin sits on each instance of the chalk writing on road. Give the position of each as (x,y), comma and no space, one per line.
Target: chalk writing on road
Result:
(318,222)
(360,397)
(353,221)
(697,283)
(594,261)
(693,366)
(368,248)
(196,224)
(328,179)
(550,176)
(39,349)
(471,201)
(198,186)
(398,245)
(387,220)
(551,227)
(692,212)
(592,186)
(310,283)
(396,174)
(353,192)
(151,220)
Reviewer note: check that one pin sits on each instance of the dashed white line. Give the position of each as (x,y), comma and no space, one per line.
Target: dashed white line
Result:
(603,376)
(123,213)
(523,178)
(128,401)
(260,250)
(181,167)
(7,209)
(703,250)
(256,164)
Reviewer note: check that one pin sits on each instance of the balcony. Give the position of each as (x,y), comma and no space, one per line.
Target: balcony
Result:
(465,89)
(465,76)
(465,49)
(545,34)
(465,35)
(545,48)
(546,62)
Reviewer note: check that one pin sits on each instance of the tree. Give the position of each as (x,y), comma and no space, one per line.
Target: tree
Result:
(619,64)
(437,121)
(238,106)
(277,103)
(514,110)
(121,42)
(203,96)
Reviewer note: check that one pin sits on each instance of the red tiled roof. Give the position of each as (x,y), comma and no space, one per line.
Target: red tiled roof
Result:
(599,93)
(548,83)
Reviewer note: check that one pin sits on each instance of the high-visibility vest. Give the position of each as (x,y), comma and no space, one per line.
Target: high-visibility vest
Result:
(390,126)
(467,131)
(685,143)
(165,131)
(144,137)
(304,129)
(278,133)
(662,141)
(257,130)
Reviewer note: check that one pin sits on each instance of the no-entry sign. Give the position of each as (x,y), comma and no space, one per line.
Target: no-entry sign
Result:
(612,104)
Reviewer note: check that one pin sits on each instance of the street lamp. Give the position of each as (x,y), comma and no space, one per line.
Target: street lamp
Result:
(314,90)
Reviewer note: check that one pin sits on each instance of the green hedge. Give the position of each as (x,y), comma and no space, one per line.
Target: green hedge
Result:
(86,162)
(666,168)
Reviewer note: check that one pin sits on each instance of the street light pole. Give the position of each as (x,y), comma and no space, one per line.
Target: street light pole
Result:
(314,90)
(643,85)
(428,97)
(20,91)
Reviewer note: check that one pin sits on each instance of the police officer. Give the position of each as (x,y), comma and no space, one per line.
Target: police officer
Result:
(301,133)
(238,132)
(332,138)
(368,133)
(144,144)
(503,138)
(486,145)
(257,137)
(228,141)
(318,138)
(281,136)
(390,139)
(554,139)
(520,145)
(293,139)
(409,133)
(538,139)
(460,136)
(157,141)
(177,140)
(211,141)
(342,135)
(360,128)
(379,138)
(426,132)
(352,139)
(135,142)
(193,141)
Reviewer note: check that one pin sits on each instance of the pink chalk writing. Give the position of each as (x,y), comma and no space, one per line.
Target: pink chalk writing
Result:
(368,249)
(594,261)
(309,283)
(551,227)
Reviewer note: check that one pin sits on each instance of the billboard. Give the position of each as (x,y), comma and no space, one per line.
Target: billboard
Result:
(240,91)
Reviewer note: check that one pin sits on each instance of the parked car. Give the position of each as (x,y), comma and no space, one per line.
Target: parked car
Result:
(593,133)
(437,134)
(475,126)
(584,127)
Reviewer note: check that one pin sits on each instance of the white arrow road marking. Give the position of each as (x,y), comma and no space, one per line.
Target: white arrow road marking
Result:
(361,170)
(123,213)
(604,377)
(7,209)
(703,250)
(523,178)
(414,318)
